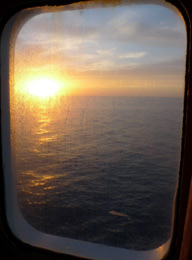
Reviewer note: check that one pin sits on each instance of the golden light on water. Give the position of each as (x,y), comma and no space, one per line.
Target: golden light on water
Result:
(43,87)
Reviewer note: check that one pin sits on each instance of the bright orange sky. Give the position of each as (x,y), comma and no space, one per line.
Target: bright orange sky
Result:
(123,51)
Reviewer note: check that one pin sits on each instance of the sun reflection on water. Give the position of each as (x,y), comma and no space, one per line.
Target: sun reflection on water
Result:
(33,128)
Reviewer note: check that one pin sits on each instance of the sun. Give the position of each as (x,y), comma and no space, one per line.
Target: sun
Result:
(43,87)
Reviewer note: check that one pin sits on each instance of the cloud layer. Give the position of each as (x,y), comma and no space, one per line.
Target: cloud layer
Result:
(123,41)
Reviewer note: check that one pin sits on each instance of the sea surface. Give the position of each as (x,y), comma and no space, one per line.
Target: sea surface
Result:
(99,169)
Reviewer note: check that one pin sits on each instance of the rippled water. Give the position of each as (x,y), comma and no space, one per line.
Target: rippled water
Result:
(99,169)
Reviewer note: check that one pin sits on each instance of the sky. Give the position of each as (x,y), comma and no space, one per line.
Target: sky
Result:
(123,50)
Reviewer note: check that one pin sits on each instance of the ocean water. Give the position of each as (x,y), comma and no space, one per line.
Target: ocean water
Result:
(99,169)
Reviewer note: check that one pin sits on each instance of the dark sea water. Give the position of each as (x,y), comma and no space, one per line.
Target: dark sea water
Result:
(100,169)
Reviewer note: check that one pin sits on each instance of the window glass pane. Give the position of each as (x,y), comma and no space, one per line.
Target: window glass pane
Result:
(96,106)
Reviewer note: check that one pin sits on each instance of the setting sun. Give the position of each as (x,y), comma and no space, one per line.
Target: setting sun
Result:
(43,87)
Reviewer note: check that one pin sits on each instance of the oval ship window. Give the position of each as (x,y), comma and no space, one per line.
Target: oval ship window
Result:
(96,101)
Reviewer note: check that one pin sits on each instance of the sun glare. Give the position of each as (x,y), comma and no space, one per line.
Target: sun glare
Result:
(43,87)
